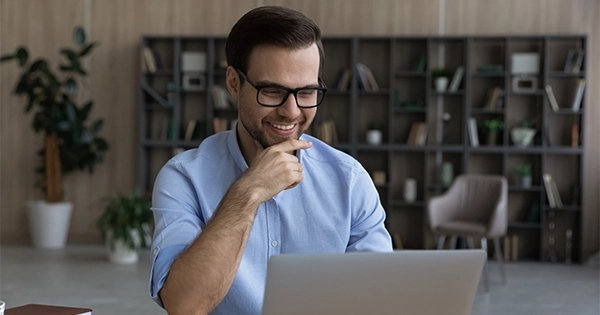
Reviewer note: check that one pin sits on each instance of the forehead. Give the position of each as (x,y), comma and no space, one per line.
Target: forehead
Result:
(271,62)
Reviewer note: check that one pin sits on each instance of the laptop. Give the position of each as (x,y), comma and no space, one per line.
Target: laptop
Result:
(402,282)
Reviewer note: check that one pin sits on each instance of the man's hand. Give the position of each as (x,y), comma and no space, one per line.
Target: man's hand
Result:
(274,169)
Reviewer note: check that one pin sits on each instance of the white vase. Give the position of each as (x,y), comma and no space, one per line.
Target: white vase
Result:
(374,137)
(522,137)
(441,84)
(410,190)
(447,175)
(526,181)
(119,252)
(49,223)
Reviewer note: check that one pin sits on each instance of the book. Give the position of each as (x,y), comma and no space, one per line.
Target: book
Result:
(473,135)
(362,77)
(412,135)
(421,64)
(546,136)
(554,199)
(371,78)
(219,124)
(39,309)
(397,241)
(148,57)
(575,135)
(578,98)
(533,216)
(569,61)
(507,250)
(578,61)
(422,134)
(326,132)
(189,131)
(456,79)
(551,98)
(493,96)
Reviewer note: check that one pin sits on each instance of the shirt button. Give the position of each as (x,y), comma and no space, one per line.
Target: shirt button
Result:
(155,251)
(274,243)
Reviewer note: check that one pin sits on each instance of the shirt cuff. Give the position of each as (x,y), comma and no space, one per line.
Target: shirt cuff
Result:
(161,264)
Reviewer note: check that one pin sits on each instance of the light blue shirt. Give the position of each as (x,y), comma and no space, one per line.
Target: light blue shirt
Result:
(335,209)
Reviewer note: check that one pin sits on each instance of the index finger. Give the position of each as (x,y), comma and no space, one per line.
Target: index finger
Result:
(291,145)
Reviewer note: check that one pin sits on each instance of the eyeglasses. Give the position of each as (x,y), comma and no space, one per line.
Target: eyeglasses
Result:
(274,95)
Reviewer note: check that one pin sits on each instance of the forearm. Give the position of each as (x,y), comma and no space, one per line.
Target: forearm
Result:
(200,278)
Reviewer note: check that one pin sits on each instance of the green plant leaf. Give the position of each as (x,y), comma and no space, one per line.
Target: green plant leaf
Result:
(98,124)
(85,110)
(38,65)
(71,85)
(86,50)
(22,54)
(69,53)
(4,58)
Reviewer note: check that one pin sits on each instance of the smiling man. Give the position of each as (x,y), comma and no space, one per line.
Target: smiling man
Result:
(223,209)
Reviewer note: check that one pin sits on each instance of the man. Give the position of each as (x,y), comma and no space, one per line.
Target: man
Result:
(264,188)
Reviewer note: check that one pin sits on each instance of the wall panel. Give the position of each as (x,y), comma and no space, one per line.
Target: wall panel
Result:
(45,26)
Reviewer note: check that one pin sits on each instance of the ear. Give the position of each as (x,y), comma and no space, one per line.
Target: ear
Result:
(232,80)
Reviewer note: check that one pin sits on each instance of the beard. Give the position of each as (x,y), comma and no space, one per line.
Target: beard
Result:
(265,140)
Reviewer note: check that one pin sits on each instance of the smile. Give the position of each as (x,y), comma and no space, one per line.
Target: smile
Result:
(283,127)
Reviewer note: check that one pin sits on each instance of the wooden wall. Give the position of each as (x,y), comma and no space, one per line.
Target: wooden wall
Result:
(45,26)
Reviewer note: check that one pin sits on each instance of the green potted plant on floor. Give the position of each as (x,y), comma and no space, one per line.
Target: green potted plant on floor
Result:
(71,142)
(492,127)
(125,226)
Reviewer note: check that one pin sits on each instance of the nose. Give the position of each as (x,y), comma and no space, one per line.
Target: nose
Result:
(289,108)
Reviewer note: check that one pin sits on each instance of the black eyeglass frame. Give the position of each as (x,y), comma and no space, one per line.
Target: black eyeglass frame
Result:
(321,89)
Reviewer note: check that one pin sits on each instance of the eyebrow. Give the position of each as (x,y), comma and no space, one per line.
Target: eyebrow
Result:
(277,85)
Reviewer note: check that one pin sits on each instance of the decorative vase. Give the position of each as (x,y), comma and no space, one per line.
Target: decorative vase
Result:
(441,84)
(374,137)
(526,181)
(447,175)
(522,137)
(49,223)
(410,190)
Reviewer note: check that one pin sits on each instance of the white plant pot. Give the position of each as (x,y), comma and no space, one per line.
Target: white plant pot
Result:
(441,84)
(410,190)
(526,181)
(119,252)
(522,137)
(374,137)
(49,223)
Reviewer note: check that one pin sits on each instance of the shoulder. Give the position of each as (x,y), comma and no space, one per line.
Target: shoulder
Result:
(322,153)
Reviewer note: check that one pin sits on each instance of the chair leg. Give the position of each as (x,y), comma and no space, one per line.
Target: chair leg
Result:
(499,256)
(453,242)
(486,276)
(441,241)
(470,242)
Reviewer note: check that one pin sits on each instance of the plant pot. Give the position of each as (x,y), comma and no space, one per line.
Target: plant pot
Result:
(49,223)
(374,137)
(119,252)
(441,84)
(447,175)
(522,137)
(491,138)
(410,190)
(526,181)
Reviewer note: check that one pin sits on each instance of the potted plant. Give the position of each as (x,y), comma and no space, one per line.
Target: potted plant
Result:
(125,226)
(523,134)
(71,143)
(440,79)
(524,173)
(492,127)
(374,134)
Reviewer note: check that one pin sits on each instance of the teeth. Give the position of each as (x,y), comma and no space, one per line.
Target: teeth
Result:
(283,127)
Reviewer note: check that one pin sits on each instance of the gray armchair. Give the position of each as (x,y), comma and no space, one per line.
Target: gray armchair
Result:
(474,206)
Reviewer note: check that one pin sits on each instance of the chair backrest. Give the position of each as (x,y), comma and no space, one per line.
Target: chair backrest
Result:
(474,198)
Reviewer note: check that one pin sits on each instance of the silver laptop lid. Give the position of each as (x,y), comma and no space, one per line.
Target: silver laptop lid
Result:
(401,282)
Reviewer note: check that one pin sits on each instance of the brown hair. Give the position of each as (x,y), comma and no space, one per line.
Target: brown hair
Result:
(270,25)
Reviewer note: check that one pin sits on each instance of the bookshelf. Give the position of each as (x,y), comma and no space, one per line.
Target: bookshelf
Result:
(406,95)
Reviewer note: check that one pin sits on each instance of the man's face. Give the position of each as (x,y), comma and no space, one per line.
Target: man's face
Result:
(292,69)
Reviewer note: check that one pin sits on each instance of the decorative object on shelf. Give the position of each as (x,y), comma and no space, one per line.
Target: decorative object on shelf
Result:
(374,134)
(525,67)
(494,98)
(193,61)
(473,134)
(575,135)
(568,245)
(522,135)
(456,79)
(524,173)
(193,81)
(125,226)
(71,142)
(551,255)
(574,61)
(533,216)
(492,127)
(440,79)
(170,93)
(491,69)
(410,190)
(575,194)
(379,178)
(447,174)
(577,99)
(446,122)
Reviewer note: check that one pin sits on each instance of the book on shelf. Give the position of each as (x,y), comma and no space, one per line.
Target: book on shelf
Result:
(343,80)
(39,309)
(222,99)
(551,98)
(417,134)
(578,61)
(366,78)
(546,136)
(493,96)
(397,241)
(473,135)
(219,124)
(569,61)
(148,60)
(554,199)
(578,98)
(533,216)
(421,64)
(456,79)
(327,132)
(189,131)
(575,135)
